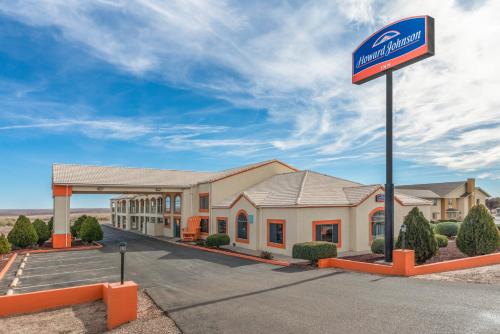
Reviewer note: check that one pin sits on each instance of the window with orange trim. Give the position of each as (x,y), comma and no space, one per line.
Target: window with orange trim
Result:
(242,227)
(222,225)
(204,225)
(177,203)
(377,223)
(276,233)
(328,230)
(204,202)
(168,204)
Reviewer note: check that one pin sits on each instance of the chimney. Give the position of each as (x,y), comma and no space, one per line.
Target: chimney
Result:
(471,185)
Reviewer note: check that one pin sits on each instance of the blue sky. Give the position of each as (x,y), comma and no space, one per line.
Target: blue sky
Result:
(212,85)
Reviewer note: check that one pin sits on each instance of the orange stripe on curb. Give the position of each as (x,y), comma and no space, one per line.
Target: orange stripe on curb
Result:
(7,265)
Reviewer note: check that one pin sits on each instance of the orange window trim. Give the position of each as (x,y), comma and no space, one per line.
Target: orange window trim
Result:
(370,218)
(207,218)
(328,222)
(217,220)
(276,221)
(245,241)
(199,202)
(177,211)
(169,208)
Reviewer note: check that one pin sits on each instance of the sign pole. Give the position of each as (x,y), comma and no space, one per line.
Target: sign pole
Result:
(389,185)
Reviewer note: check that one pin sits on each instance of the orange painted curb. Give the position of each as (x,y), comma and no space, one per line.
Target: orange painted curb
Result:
(7,266)
(61,240)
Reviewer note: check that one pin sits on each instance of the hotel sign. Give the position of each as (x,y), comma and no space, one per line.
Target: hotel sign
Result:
(395,46)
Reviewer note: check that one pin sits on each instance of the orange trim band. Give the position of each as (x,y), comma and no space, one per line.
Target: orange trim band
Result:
(61,240)
(61,191)
(7,265)
(276,221)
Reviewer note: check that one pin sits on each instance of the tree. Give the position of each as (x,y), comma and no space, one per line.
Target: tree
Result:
(42,230)
(23,234)
(5,246)
(77,225)
(478,234)
(50,225)
(419,236)
(91,230)
(493,203)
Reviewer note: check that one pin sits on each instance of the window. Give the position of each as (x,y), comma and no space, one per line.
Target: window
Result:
(147,206)
(222,225)
(167,222)
(168,203)
(377,223)
(435,215)
(160,221)
(478,201)
(204,225)
(450,202)
(177,204)
(434,201)
(327,230)
(276,233)
(203,202)
(242,227)
(159,207)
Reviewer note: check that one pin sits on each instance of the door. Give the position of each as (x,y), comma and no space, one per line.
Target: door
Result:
(177,227)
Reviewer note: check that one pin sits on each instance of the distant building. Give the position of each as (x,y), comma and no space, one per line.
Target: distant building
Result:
(450,200)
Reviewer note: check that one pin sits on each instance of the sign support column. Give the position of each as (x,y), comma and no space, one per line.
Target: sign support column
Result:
(389,184)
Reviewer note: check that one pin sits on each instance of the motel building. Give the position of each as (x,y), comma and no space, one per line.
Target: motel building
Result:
(267,206)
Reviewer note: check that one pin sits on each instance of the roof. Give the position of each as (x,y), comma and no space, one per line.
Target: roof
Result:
(72,174)
(441,189)
(308,188)
(422,193)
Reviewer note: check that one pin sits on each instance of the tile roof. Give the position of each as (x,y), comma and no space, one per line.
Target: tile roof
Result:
(422,193)
(441,189)
(137,177)
(308,188)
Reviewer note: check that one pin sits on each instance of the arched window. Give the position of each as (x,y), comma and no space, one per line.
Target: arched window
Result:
(377,219)
(177,203)
(159,206)
(242,227)
(168,203)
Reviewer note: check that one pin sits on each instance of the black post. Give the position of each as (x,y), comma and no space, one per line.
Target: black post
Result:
(389,186)
(122,272)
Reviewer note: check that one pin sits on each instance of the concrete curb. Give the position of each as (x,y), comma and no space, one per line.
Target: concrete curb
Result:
(7,266)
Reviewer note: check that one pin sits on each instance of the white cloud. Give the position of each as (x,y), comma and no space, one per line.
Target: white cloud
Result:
(294,61)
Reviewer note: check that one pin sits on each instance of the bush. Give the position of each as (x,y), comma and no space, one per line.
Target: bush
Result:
(442,240)
(314,250)
(90,230)
(5,246)
(217,240)
(50,225)
(434,228)
(378,246)
(419,236)
(478,234)
(23,234)
(77,225)
(450,229)
(42,230)
(266,255)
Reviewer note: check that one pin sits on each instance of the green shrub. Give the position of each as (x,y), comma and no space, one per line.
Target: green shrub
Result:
(419,236)
(478,234)
(434,227)
(5,246)
(378,246)
(90,230)
(450,229)
(217,240)
(50,225)
(266,255)
(442,240)
(42,231)
(77,225)
(23,234)
(314,250)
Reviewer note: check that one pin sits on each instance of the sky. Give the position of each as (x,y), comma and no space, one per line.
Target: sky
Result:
(210,85)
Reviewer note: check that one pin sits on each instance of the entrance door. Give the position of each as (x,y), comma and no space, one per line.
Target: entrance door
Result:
(177,227)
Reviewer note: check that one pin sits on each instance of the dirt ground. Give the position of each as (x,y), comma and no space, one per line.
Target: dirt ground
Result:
(487,275)
(89,318)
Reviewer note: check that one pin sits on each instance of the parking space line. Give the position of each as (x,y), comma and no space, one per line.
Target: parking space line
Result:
(61,265)
(68,272)
(66,282)
(62,259)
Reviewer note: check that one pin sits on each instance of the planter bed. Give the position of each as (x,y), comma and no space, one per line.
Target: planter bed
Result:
(5,260)
(47,247)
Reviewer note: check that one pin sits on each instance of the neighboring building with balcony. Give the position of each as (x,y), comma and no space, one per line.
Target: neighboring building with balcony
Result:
(450,200)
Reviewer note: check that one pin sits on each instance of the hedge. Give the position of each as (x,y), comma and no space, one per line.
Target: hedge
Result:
(50,225)
(5,246)
(90,230)
(42,230)
(314,250)
(23,234)
(217,240)
(77,225)
(378,246)
(419,236)
(450,229)
(442,240)
(478,234)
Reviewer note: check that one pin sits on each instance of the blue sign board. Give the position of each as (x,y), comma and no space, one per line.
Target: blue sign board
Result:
(379,198)
(392,47)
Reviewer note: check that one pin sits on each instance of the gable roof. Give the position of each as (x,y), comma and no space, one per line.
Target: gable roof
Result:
(441,189)
(73,174)
(308,188)
(422,193)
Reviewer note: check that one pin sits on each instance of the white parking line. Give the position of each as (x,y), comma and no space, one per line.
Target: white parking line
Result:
(60,283)
(63,258)
(61,265)
(68,272)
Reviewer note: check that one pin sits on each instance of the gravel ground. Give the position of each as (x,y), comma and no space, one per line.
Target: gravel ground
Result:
(487,275)
(89,318)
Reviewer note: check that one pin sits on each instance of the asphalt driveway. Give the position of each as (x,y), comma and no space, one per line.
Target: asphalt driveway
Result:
(211,293)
